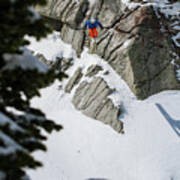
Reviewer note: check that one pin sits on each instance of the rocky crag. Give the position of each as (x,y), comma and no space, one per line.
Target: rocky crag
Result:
(132,42)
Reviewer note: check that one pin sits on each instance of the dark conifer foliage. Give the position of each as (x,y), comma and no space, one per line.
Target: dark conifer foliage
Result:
(20,124)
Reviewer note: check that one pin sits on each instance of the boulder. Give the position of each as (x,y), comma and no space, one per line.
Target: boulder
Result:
(92,99)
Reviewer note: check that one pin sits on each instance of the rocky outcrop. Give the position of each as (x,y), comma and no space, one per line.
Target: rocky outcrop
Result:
(74,80)
(92,99)
(131,41)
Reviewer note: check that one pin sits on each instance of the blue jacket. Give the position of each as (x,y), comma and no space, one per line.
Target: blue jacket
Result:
(94,25)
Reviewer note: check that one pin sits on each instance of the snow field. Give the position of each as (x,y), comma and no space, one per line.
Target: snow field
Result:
(149,149)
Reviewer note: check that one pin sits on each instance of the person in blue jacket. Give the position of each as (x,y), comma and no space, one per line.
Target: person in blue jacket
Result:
(92,24)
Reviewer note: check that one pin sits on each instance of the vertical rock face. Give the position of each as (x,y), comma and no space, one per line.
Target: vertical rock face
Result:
(131,41)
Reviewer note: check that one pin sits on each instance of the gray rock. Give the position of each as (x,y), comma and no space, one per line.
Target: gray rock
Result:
(92,99)
(74,80)
(93,70)
(66,64)
(131,42)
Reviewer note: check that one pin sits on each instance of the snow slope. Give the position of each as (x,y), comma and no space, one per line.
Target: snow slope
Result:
(85,149)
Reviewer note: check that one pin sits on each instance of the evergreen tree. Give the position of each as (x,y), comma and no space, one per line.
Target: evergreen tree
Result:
(21,77)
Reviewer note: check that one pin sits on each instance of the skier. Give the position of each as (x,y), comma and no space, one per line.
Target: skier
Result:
(92,24)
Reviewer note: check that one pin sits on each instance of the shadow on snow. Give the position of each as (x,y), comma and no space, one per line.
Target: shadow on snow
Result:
(175,124)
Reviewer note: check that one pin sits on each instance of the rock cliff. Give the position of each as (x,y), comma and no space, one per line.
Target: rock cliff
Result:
(132,42)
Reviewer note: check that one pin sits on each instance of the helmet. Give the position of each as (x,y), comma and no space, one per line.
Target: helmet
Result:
(92,20)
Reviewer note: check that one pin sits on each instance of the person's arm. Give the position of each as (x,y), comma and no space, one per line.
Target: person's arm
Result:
(99,24)
(85,25)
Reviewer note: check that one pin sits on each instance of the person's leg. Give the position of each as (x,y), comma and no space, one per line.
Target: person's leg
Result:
(91,33)
(95,32)
(92,48)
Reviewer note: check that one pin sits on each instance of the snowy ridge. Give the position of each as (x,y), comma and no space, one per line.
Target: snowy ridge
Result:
(149,149)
